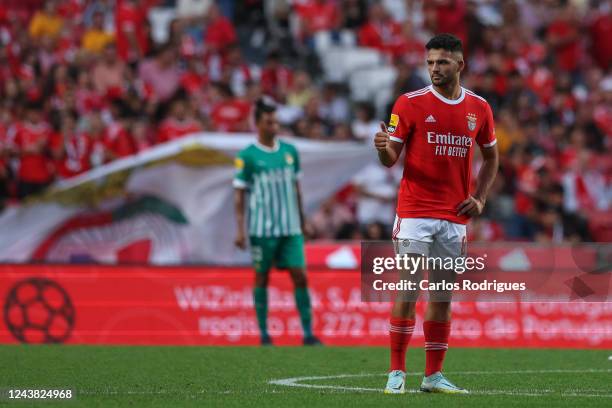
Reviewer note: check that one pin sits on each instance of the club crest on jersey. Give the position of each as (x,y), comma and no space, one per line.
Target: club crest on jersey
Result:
(393,121)
(471,121)
(289,158)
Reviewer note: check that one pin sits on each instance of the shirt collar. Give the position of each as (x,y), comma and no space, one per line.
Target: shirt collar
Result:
(446,100)
(267,149)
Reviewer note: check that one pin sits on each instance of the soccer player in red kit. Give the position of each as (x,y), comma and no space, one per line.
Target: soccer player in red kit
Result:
(438,127)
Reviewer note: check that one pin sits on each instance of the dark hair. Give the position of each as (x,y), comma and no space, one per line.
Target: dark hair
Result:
(265,104)
(224,89)
(167,46)
(446,42)
(34,105)
(557,189)
(72,114)
(368,108)
(274,54)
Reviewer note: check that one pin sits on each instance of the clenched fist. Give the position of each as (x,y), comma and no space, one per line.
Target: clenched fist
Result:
(381,139)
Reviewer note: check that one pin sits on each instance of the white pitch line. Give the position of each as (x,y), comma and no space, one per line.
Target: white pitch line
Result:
(297,382)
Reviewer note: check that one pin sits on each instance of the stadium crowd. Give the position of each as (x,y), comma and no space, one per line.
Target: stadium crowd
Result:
(84,82)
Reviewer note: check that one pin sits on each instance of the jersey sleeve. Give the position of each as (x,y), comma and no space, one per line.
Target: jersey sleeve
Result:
(243,176)
(486,134)
(297,167)
(399,123)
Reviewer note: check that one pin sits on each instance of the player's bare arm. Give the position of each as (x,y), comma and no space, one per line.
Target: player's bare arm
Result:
(388,150)
(239,198)
(303,224)
(474,204)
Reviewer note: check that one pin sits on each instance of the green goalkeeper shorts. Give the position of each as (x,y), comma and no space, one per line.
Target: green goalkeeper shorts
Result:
(283,252)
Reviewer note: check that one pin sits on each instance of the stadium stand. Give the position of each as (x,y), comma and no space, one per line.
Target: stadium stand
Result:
(83,82)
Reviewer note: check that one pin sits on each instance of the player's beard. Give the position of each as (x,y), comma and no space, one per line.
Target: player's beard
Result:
(268,135)
(441,80)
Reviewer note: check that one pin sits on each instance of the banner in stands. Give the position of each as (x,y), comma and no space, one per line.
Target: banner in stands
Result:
(196,306)
(172,204)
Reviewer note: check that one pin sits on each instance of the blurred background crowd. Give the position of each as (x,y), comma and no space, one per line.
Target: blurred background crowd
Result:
(85,82)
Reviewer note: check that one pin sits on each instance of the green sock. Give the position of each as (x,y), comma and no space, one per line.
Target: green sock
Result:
(260,300)
(302,302)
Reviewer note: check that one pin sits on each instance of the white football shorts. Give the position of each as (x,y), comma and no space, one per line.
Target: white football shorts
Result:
(429,237)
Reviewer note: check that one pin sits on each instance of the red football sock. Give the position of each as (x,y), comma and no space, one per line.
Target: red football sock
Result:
(400,333)
(436,344)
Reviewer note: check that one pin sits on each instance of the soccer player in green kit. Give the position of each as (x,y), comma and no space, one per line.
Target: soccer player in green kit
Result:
(269,170)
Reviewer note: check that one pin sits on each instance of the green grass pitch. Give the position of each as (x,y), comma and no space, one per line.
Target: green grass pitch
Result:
(241,377)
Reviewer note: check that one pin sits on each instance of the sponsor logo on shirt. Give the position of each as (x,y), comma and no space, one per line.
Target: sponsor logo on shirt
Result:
(449,139)
(450,145)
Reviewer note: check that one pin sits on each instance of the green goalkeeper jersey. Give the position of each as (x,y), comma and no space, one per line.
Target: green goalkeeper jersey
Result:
(270,175)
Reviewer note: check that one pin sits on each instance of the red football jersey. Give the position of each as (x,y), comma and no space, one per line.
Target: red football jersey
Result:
(439,136)
(32,142)
(171,129)
(119,141)
(220,33)
(230,115)
(315,16)
(77,151)
(131,18)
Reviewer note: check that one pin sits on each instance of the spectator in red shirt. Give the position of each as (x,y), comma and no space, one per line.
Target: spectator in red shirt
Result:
(96,131)
(32,143)
(131,29)
(601,32)
(563,35)
(316,16)
(276,78)
(229,114)
(219,32)
(71,9)
(450,17)
(408,49)
(117,138)
(195,77)
(380,32)
(71,148)
(179,123)
(87,99)
(141,134)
